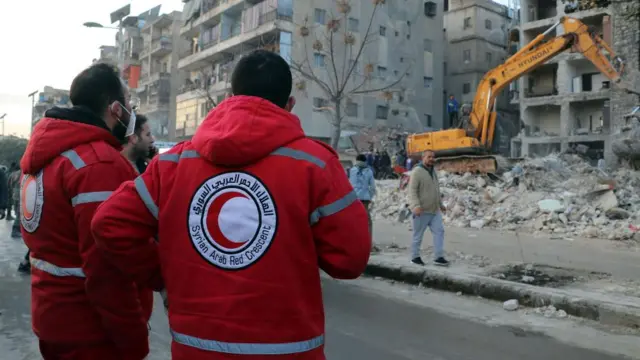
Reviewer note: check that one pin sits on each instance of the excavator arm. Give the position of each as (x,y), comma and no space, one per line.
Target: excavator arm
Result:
(537,52)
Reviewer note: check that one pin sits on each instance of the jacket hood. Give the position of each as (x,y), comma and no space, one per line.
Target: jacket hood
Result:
(62,129)
(244,129)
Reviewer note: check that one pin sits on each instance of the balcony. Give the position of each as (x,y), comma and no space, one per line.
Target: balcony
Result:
(213,52)
(210,15)
(146,79)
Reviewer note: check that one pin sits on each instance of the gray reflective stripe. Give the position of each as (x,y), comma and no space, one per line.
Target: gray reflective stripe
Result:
(248,348)
(298,155)
(75,159)
(56,270)
(333,208)
(187,154)
(90,197)
(144,194)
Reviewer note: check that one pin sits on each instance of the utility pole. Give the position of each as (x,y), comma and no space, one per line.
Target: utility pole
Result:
(33,107)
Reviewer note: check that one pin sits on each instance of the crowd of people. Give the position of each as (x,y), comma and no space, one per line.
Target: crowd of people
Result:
(232,245)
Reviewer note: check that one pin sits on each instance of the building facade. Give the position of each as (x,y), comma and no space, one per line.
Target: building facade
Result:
(406,45)
(476,42)
(47,99)
(160,78)
(567,101)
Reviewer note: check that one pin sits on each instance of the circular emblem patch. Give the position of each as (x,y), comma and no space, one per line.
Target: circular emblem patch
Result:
(31,201)
(232,220)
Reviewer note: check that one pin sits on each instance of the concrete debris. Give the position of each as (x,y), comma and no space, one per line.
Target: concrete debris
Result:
(557,194)
(551,312)
(511,305)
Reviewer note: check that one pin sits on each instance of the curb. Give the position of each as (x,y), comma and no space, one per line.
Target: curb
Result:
(580,304)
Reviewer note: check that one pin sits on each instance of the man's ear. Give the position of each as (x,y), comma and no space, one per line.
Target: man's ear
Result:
(290,104)
(115,110)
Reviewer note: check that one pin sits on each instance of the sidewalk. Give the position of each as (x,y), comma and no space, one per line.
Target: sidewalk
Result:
(614,257)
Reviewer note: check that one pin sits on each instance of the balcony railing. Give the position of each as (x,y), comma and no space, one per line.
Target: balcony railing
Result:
(238,29)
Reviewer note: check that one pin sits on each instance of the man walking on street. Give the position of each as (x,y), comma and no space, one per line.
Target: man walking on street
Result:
(14,199)
(361,178)
(426,204)
(82,307)
(246,214)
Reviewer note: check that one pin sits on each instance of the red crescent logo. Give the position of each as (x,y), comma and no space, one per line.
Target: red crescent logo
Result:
(213,221)
(28,197)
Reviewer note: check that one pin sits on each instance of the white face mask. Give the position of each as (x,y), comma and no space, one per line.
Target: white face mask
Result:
(132,121)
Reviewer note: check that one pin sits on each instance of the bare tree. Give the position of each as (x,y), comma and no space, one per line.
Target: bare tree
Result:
(332,57)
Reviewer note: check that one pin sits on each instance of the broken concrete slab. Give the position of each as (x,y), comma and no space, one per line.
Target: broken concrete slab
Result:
(551,206)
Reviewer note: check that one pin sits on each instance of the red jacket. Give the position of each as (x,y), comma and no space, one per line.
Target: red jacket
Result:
(71,165)
(246,213)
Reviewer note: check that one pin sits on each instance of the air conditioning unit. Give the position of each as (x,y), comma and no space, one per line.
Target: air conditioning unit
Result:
(430,9)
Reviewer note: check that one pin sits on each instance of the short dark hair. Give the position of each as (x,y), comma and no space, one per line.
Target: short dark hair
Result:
(264,74)
(96,87)
(140,121)
(361,157)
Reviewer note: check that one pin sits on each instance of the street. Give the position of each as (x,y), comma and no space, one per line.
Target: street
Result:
(366,319)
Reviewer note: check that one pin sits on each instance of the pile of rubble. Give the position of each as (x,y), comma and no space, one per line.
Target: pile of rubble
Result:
(558,194)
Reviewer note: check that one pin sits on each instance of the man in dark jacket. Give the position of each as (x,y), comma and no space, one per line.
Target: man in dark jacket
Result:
(82,307)
(137,147)
(4,192)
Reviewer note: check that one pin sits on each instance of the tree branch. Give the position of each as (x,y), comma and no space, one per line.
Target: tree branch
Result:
(362,45)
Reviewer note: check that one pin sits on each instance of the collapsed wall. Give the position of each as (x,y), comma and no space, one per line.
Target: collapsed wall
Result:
(557,194)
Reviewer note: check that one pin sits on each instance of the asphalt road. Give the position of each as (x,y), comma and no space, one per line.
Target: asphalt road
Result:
(361,324)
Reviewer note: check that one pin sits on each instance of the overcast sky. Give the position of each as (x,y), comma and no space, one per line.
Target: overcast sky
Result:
(43,43)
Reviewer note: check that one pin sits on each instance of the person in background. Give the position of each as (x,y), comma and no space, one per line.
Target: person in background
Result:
(138,146)
(4,193)
(82,307)
(361,178)
(426,204)
(225,217)
(452,109)
(409,163)
(12,180)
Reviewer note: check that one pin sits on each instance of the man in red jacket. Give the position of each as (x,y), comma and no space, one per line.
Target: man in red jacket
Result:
(246,213)
(82,306)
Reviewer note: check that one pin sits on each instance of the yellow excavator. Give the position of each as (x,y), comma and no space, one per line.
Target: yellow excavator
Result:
(469,150)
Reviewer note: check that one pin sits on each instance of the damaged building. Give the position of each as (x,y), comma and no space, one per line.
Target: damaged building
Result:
(567,102)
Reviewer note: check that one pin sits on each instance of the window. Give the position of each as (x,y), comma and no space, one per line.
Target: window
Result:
(397,34)
(428,117)
(430,9)
(354,24)
(428,81)
(352,109)
(467,23)
(428,45)
(319,60)
(382,71)
(319,103)
(382,112)
(466,55)
(487,24)
(319,16)
(383,31)
(489,57)
(204,109)
(401,59)
(466,88)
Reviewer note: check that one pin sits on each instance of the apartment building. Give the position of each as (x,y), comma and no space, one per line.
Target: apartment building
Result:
(476,42)
(408,37)
(567,101)
(159,77)
(108,54)
(47,99)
